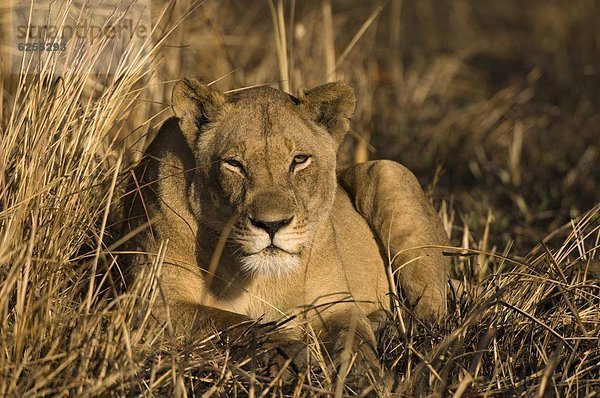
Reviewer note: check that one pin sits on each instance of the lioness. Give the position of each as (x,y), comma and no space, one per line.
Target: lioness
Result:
(244,188)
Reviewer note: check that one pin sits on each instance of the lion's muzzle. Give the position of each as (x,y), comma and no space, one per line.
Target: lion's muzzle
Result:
(270,226)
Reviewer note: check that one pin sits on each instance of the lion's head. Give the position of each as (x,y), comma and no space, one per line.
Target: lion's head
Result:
(267,160)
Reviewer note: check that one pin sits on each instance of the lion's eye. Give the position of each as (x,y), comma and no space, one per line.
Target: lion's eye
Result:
(234,165)
(300,162)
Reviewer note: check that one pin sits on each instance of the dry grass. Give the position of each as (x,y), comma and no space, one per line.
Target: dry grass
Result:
(503,95)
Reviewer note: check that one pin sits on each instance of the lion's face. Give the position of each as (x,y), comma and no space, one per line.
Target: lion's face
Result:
(274,169)
(268,163)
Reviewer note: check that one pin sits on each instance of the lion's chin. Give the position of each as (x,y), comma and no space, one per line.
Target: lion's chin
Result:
(269,263)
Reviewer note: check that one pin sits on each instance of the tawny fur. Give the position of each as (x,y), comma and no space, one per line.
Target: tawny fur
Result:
(231,157)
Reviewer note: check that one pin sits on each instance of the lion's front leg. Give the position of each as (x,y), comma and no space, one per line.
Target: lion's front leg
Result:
(347,336)
(274,348)
(186,307)
(200,321)
(390,198)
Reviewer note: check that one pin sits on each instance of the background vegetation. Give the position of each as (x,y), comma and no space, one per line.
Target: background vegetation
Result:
(494,105)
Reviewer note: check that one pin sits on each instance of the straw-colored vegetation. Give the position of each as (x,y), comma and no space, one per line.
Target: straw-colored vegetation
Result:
(495,106)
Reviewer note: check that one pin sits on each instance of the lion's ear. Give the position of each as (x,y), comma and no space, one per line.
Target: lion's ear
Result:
(331,105)
(195,103)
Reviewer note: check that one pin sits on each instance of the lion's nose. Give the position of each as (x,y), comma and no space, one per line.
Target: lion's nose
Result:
(271,226)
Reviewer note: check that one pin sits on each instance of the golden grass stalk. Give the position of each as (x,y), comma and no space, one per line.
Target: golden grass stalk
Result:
(277,15)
